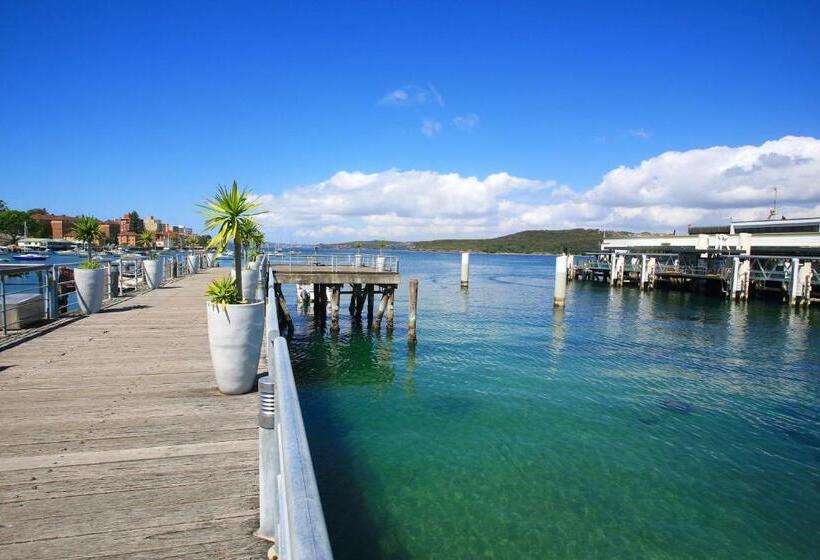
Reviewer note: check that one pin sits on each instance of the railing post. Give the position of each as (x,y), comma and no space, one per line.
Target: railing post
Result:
(53,300)
(3,304)
(268,455)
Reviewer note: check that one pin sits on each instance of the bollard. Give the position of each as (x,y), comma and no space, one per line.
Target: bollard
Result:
(268,457)
(465,269)
(560,281)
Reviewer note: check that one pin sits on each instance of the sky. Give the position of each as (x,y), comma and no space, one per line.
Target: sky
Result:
(413,120)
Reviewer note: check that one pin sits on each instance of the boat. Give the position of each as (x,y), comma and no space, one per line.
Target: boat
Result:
(30,257)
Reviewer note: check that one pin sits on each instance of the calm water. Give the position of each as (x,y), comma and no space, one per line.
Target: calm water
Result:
(631,425)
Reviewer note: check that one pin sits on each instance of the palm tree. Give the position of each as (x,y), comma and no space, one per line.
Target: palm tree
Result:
(228,213)
(147,240)
(87,230)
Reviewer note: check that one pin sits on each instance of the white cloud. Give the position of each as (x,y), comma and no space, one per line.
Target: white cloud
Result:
(640,133)
(466,122)
(430,127)
(665,192)
(412,95)
(395,97)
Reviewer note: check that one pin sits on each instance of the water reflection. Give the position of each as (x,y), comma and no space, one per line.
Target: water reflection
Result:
(351,358)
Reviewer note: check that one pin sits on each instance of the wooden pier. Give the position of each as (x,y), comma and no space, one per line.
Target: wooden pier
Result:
(115,443)
(365,275)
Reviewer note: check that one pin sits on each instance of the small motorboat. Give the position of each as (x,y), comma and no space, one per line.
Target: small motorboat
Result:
(30,257)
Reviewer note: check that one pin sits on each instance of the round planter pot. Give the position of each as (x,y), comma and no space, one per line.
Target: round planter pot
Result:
(153,273)
(90,285)
(193,263)
(250,280)
(380,263)
(235,337)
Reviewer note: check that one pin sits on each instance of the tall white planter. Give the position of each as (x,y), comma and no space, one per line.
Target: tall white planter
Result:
(250,279)
(235,337)
(193,263)
(153,273)
(90,285)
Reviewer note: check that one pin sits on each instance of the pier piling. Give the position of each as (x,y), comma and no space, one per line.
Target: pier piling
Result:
(334,307)
(412,301)
(560,281)
(390,308)
(377,324)
(465,269)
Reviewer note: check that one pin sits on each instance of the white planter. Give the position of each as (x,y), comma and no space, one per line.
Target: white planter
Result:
(193,263)
(235,337)
(153,273)
(90,285)
(250,278)
(380,263)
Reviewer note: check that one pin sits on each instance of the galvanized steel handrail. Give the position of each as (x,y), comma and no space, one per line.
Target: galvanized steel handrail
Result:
(290,508)
(58,295)
(380,263)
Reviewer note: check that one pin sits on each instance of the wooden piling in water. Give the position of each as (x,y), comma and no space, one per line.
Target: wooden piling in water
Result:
(377,324)
(334,307)
(412,301)
(369,292)
(391,291)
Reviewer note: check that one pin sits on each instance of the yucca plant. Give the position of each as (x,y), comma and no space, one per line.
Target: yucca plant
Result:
(147,241)
(228,213)
(87,230)
(252,239)
(222,292)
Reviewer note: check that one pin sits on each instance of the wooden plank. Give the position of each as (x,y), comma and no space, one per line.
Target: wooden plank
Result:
(115,442)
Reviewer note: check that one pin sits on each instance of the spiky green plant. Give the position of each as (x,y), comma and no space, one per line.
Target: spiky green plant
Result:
(252,239)
(228,213)
(89,265)
(87,230)
(223,291)
(147,241)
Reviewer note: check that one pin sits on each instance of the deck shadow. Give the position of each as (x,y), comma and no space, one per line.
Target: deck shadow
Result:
(125,308)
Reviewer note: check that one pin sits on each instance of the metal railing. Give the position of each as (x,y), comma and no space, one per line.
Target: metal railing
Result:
(290,510)
(32,294)
(379,263)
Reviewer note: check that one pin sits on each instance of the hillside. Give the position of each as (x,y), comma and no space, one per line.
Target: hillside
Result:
(531,241)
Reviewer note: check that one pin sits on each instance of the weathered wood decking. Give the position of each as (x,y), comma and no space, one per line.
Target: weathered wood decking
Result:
(115,443)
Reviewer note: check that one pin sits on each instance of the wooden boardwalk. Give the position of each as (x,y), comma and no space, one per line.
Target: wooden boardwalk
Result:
(115,443)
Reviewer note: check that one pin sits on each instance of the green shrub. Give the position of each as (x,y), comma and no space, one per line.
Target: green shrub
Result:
(90,265)
(222,291)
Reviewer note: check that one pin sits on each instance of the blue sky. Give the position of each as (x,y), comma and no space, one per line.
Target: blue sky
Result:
(106,107)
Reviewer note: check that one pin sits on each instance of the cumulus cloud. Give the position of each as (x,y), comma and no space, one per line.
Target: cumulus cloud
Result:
(665,192)
(430,127)
(466,122)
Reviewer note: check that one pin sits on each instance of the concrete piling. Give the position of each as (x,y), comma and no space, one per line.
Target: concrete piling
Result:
(465,269)
(560,281)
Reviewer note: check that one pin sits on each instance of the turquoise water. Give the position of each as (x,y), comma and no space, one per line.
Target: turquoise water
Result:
(630,425)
